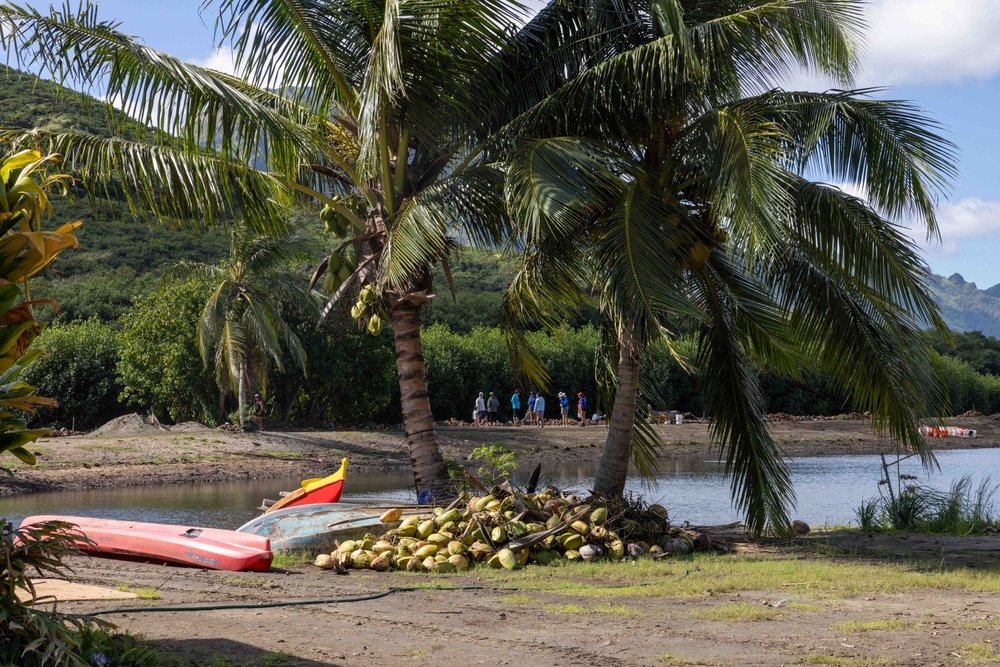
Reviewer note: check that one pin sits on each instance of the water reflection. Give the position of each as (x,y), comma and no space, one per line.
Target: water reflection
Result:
(829,489)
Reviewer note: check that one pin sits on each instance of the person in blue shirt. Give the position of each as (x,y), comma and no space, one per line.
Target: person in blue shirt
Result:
(515,405)
(581,408)
(564,408)
(539,411)
(530,417)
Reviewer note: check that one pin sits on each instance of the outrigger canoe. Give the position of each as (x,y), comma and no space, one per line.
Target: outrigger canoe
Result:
(312,492)
(317,528)
(210,548)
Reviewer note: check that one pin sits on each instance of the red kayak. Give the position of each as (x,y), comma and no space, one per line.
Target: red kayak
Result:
(210,548)
(313,491)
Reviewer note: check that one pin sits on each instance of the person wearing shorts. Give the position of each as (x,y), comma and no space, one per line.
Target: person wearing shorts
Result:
(480,410)
(564,408)
(540,411)
(581,408)
(530,416)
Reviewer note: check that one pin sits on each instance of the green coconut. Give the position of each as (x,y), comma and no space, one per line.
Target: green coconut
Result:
(438,540)
(599,516)
(508,559)
(425,551)
(498,535)
(425,529)
(456,548)
(459,561)
(382,562)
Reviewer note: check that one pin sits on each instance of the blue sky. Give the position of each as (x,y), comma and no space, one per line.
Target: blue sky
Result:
(942,55)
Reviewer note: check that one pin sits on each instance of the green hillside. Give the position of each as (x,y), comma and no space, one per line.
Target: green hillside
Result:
(110,239)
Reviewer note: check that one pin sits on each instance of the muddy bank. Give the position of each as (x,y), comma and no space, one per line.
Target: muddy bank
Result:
(134,455)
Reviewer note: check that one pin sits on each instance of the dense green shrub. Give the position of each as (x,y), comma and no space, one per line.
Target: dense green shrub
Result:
(350,379)
(78,371)
(968,389)
(160,367)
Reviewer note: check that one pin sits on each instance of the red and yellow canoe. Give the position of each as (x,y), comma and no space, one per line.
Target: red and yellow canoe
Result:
(314,491)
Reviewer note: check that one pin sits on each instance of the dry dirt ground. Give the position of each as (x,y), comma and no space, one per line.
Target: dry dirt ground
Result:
(131,453)
(782,621)
(511,622)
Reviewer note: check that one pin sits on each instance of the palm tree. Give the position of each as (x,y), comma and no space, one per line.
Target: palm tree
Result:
(671,177)
(379,111)
(242,330)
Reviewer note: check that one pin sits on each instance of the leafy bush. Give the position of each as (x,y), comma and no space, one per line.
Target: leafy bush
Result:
(498,462)
(350,379)
(961,510)
(78,371)
(31,636)
(160,366)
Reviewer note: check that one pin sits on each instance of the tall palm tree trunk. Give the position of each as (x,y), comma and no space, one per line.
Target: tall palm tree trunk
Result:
(418,421)
(613,471)
(243,380)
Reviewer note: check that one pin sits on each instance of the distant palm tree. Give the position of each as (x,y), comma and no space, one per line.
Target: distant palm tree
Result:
(670,178)
(241,330)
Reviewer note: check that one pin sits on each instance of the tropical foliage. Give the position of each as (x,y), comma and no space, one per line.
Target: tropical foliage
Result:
(77,370)
(242,332)
(24,251)
(30,634)
(670,176)
(382,109)
(160,368)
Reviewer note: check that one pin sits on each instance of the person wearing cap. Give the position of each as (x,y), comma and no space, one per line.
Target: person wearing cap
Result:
(564,408)
(258,412)
(480,410)
(581,408)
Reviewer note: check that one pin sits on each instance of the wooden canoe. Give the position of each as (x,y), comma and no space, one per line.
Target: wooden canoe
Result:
(313,491)
(210,548)
(317,528)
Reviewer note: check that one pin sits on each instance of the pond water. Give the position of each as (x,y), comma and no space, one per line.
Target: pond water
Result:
(828,488)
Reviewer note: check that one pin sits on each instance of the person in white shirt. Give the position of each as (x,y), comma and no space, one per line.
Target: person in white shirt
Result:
(480,409)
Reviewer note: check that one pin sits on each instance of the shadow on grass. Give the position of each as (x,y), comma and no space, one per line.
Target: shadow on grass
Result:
(920,551)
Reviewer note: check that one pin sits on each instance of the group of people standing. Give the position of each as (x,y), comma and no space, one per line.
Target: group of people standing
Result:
(534,413)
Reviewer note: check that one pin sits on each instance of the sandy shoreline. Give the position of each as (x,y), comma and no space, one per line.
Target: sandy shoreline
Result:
(189,454)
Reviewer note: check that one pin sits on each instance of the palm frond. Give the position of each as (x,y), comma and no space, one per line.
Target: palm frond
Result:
(761,485)
(164,182)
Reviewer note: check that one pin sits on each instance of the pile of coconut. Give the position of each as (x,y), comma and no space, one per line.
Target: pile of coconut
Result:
(510,530)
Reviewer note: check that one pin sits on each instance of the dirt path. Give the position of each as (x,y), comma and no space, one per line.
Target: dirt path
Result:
(142,455)
(790,624)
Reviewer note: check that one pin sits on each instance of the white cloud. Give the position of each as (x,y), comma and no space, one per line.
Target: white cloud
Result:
(222,60)
(927,41)
(923,41)
(966,219)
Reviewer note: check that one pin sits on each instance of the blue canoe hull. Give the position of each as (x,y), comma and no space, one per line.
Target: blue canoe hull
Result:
(317,528)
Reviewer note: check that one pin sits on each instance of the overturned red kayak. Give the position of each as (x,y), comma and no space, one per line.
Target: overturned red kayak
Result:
(313,491)
(210,548)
